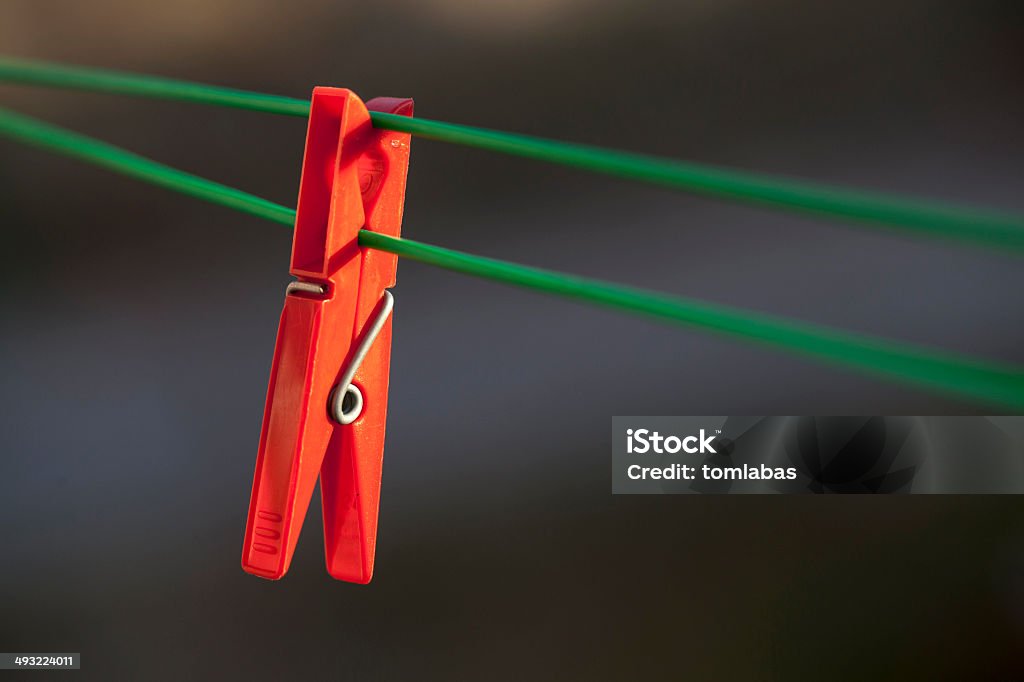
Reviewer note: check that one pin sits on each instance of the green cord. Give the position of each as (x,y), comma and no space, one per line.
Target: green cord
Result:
(60,76)
(33,131)
(988,381)
(966,377)
(926,218)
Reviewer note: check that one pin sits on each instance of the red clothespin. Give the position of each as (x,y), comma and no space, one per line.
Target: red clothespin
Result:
(327,400)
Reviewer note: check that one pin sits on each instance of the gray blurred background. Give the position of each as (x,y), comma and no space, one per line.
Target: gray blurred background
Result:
(137,329)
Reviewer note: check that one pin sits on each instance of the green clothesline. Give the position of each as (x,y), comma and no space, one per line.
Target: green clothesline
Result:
(921,217)
(991,382)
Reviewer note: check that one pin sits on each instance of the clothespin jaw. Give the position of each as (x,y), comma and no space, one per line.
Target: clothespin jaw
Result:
(334,330)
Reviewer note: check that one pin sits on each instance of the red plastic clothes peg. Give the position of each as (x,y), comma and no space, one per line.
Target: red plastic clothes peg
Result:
(327,399)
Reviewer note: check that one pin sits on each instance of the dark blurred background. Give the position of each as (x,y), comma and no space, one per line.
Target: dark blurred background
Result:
(137,329)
